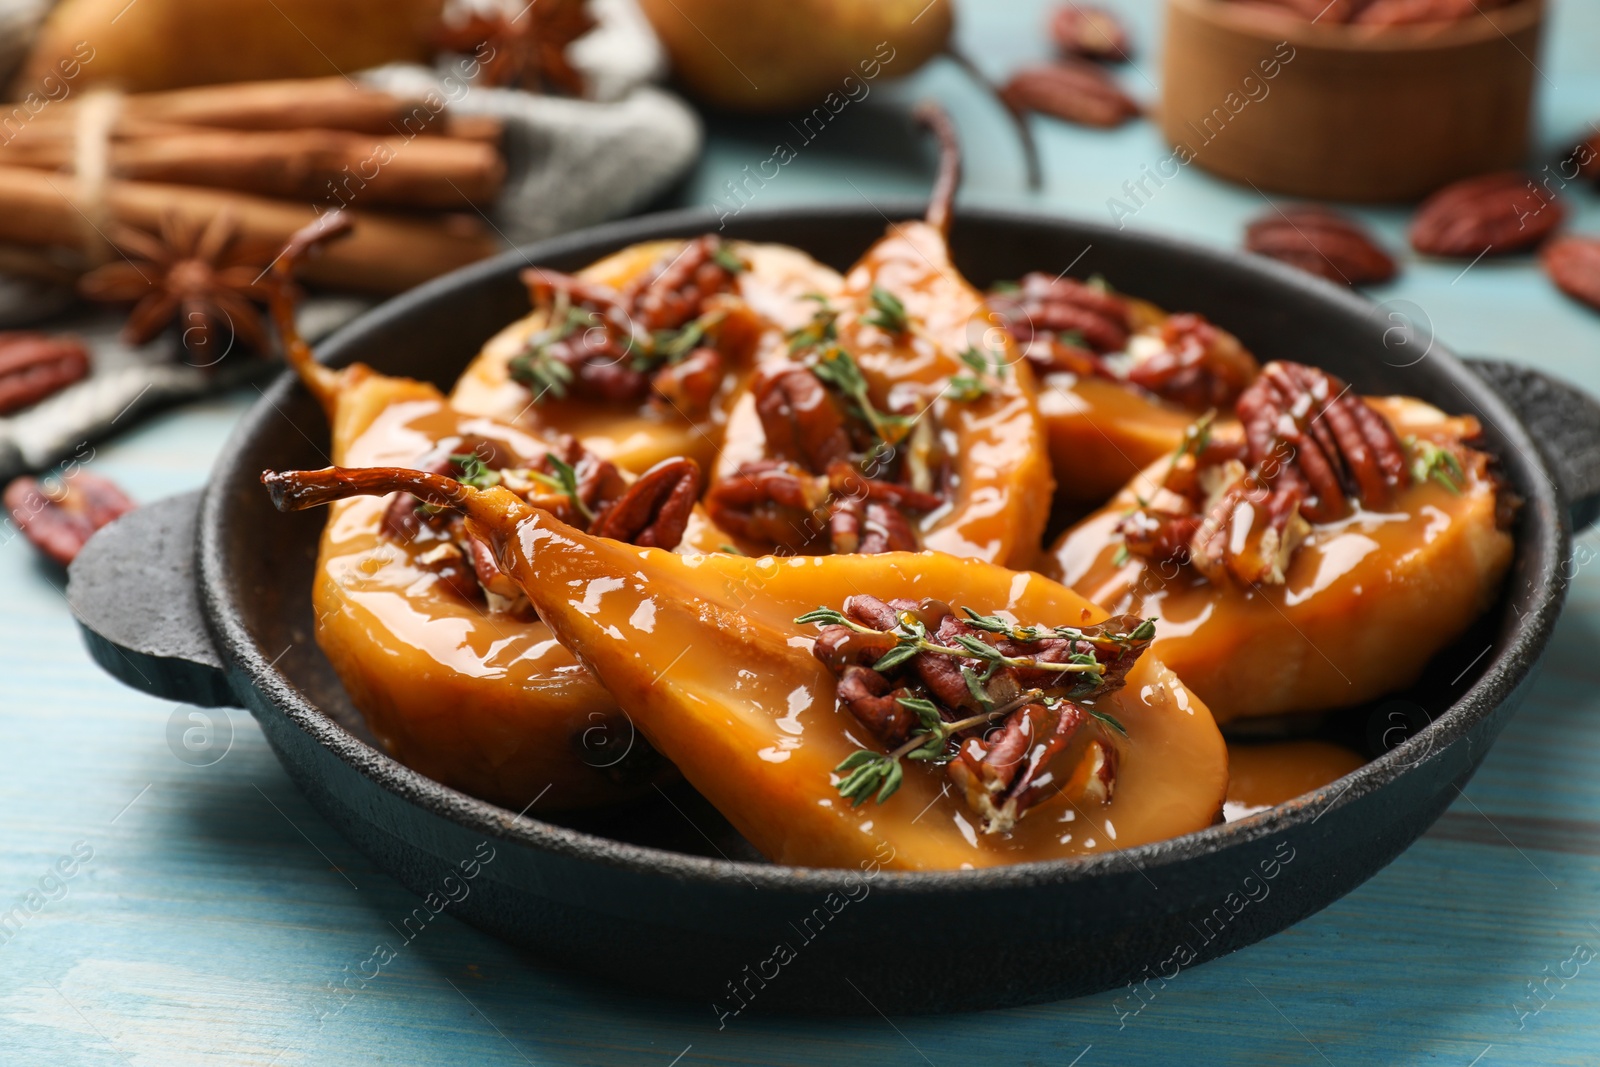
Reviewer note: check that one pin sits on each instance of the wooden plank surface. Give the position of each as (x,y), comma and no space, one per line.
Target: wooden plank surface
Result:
(210,912)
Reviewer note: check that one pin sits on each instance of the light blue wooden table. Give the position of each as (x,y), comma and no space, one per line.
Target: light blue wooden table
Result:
(209,908)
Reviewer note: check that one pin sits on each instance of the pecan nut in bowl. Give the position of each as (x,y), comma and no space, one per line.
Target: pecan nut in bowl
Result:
(1313,554)
(799,752)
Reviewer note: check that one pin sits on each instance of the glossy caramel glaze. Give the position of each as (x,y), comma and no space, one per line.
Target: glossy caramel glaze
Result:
(999,485)
(704,654)
(1266,774)
(1367,602)
(635,438)
(486,703)
(1102,433)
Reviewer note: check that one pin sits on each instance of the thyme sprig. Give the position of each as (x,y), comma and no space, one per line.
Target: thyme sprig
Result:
(888,313)
(838,370)
(726,258)
(564,481)
(865,772)
(911,638)
(823,329)
(986,373)
(1431,462)
(474,471)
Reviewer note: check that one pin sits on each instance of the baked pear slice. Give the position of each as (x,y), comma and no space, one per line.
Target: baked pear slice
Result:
(638,355)
(1119,378)
(1314,555)
(439,651)
(719,661)
(895,420)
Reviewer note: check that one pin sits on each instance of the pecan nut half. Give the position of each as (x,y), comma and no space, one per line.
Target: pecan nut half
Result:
(1411,12)
(1320,241)
(801,422)
(1573,263)
(1196,366)
(654,511)
(1090,31)
(34,366)
(60,520)
(1494,214)
(673,291)
(1306,429)
(1071,90)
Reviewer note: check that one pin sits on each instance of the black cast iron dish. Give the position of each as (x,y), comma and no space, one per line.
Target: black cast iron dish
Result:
(206,598)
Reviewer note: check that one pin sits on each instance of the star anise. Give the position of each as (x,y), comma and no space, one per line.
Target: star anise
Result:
(527,50)
(194,275)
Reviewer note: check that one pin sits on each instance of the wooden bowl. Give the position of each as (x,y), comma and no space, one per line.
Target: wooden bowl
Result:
(1348,112)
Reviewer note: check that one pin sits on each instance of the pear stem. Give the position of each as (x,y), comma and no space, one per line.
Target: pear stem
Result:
(283,296)
(1019,118)
(941,203)
(298,490)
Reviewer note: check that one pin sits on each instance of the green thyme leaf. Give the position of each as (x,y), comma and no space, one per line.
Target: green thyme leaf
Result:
(1109,721)
(726,258)
(888,313)
(822,617)
(474,471)
(895,656)
(564,480)
(1122,556)
(1431,462)
(976,689)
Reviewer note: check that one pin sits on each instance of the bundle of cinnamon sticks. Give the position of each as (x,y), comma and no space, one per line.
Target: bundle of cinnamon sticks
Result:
(273,155)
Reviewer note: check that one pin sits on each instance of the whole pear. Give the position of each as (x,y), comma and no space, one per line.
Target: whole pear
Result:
(780,55)
(172,44)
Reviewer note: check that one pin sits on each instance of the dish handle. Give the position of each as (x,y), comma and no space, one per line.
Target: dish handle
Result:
(133,591)
(1564,420)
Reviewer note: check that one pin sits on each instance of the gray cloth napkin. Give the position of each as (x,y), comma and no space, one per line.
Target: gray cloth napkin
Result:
(570,163)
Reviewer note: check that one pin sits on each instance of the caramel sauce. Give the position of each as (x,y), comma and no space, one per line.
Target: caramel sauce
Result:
(704,653)
(1367,602)
(1264,775)
(1102,433)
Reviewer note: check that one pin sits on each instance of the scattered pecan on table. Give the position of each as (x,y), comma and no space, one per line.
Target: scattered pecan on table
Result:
(993,701)
(572,483)
(1320,241)
(1493,214)
(653,338)
(1072,90)
(1090,31)
(1573,263)
(59,518)
(34,366)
